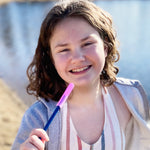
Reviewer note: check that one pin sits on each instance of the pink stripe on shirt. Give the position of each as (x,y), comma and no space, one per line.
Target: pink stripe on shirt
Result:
(79,143)
(68,131)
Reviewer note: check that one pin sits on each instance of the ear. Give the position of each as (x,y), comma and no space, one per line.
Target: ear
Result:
(105,49)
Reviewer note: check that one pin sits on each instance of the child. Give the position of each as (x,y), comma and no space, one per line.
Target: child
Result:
(77,44)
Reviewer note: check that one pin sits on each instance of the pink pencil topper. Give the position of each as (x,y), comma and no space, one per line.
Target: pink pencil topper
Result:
(65,95)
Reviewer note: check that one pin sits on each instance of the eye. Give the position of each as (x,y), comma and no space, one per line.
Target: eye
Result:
(63,50)
(87,44)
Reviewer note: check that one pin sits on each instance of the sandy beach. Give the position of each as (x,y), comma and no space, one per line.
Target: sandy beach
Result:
(11,112)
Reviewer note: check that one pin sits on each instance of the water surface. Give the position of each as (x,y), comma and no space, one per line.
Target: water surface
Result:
(20,26)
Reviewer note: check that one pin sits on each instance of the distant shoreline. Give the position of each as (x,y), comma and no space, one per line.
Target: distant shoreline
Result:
(3,2)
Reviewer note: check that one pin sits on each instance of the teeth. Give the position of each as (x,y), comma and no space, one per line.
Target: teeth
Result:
(79,70)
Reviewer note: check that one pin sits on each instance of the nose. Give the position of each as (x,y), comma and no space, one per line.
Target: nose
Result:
(78,55)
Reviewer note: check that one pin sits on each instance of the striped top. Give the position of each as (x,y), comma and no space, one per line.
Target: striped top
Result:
(112,137)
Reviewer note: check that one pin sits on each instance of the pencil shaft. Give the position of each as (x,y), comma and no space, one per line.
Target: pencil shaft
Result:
(51,118)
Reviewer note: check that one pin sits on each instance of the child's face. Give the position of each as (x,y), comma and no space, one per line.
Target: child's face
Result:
(78,52)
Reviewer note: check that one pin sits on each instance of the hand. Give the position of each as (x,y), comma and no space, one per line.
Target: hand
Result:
(36,140)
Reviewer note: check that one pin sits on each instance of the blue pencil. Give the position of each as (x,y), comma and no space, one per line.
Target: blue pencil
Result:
(60,104)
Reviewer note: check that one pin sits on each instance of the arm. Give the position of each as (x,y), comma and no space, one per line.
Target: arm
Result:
(35,117)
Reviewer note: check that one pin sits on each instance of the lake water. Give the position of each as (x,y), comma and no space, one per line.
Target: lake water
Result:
(19,29)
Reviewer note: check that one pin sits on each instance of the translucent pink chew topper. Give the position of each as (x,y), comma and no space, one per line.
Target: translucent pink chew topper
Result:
(65,95)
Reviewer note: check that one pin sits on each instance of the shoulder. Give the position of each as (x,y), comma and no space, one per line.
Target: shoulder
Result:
(134,96)
(129,86)
(42,105)
(127,82)
(37,114)
(132,88)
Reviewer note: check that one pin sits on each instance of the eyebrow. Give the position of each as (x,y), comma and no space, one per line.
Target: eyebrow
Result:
(86,38)
(61,45)
(65,44)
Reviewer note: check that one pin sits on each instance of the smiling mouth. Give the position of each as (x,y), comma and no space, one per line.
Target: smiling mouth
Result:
(78,70)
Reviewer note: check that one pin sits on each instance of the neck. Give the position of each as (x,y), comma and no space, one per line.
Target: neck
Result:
(86,96)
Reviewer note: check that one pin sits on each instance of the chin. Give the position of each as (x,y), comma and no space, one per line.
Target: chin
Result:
(82,83)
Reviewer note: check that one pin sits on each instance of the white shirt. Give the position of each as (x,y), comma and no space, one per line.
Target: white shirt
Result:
(113,138)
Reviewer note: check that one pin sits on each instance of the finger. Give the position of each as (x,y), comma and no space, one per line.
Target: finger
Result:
(41,134)
(35,141)
(27,146)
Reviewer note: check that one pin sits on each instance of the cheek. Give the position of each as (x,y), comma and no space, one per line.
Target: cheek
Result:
(99,57)
(60,59)
(98,54)
(59,63)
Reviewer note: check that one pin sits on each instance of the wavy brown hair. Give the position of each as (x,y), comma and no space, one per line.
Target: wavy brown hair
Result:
(44,80)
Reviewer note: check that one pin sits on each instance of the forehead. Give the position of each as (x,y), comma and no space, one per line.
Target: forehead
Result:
(72,26)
